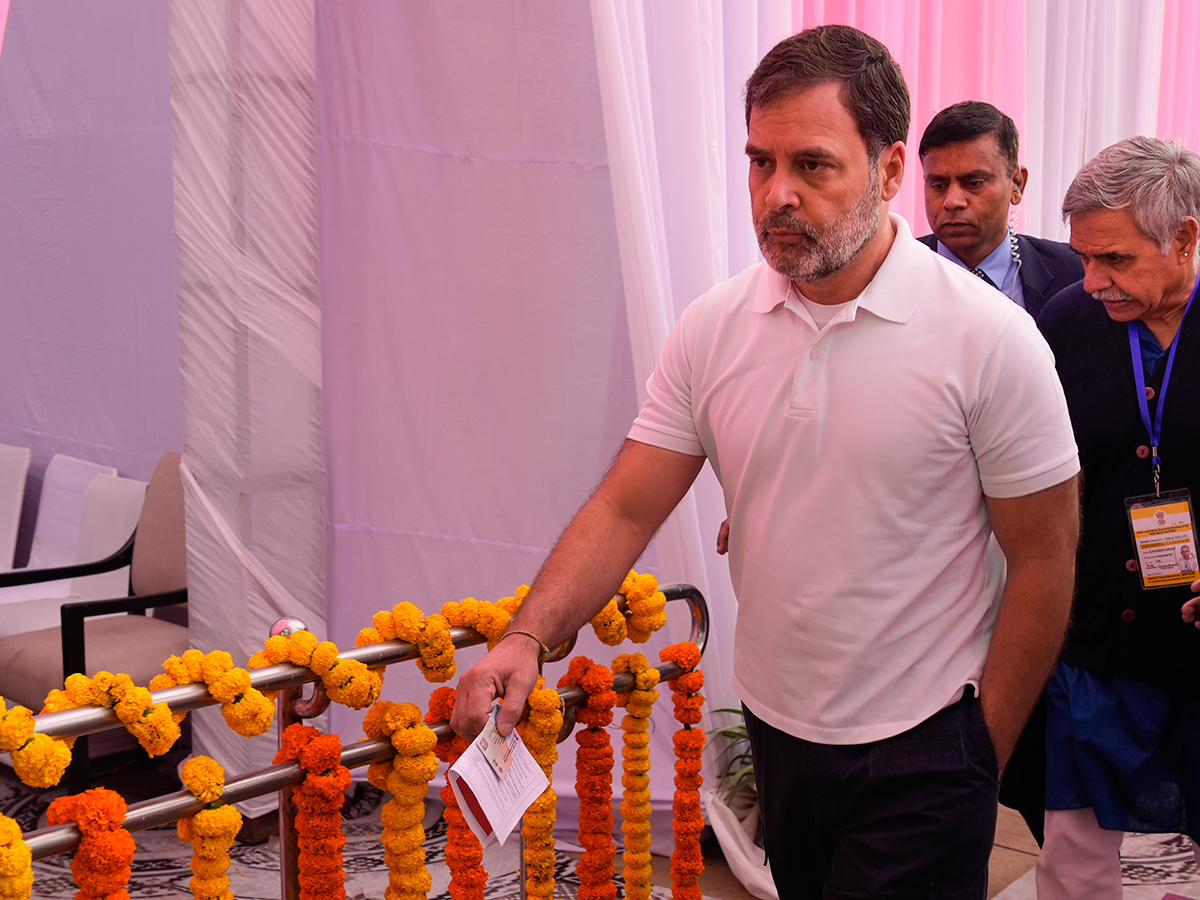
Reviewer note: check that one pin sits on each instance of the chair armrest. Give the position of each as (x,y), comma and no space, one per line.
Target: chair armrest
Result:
(73,614)
(122,557)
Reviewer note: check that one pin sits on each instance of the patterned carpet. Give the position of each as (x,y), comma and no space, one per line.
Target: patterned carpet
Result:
(160,869)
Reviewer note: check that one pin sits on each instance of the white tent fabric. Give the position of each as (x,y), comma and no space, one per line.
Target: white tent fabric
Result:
(89,348)
(245,201)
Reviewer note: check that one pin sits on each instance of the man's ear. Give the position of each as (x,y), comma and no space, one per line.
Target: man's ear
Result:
(1020,180)
(891,170)
(1185,238)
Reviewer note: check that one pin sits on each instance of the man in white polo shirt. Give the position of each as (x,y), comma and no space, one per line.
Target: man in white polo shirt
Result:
(874,414)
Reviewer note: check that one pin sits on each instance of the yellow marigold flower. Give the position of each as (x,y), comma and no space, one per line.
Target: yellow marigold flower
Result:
(222,822)
(258,660)
(377,774)
(406,792)
(383,623)
(204,777)
(407,621)
(193,661)
(276,648)
(156,730)
(367,636)
(176,668)
(324,655)
(300,647)
(42,761)
(226,687)
(16,726)
(133,704)
(20,886)
(609,624)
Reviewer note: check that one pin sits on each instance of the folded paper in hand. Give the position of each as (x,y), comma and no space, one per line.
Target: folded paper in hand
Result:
(495,781)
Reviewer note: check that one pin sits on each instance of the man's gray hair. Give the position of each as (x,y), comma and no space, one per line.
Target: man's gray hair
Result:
(1157,181)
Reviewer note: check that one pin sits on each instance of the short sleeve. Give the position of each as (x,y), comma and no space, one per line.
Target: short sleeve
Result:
(1019,424)
(665,419)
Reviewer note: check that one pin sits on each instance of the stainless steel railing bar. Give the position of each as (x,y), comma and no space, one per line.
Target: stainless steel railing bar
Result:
(169,807)
(76,722)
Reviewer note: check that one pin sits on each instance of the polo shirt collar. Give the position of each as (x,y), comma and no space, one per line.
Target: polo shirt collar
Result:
(892,294)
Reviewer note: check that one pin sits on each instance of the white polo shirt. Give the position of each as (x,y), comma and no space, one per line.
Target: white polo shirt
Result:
(854,461)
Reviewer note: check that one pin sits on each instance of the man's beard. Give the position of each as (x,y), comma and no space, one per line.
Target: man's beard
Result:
(823,250)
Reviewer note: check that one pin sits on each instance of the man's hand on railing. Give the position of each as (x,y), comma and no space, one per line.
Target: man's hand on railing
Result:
(510,671)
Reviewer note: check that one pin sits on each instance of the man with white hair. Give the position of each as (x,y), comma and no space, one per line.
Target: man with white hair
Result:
(1123,729)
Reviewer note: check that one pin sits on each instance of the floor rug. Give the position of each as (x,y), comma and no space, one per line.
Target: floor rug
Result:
(160,868)
(1152,866)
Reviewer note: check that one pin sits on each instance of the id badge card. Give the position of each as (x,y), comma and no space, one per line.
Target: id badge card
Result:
(1164,535)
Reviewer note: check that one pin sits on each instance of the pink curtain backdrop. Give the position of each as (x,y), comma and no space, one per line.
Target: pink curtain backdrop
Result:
(949,52)
(1177,98)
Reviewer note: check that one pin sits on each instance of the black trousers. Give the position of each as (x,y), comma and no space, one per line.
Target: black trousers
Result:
(911,816)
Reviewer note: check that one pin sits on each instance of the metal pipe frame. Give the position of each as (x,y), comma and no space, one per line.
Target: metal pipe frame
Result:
(169,807)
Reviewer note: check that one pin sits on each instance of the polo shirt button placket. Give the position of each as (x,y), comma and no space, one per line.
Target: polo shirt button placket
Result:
(1129,615)
(1131,565)
(1142,451)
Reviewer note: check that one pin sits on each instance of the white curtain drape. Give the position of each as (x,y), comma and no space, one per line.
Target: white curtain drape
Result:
(249,323)
(1092,78)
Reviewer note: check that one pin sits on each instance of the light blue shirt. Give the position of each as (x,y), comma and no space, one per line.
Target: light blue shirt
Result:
(999,265)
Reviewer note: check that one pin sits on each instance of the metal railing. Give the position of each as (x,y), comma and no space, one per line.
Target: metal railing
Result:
(287,678)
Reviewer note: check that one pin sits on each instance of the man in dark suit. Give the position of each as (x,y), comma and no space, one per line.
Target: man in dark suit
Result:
(972,179)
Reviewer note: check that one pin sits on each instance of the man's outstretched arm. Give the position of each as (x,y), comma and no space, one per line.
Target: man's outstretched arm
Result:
(581,574)
(1038,535)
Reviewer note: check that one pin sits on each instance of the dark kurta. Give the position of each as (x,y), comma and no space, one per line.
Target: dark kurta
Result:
(1117,627)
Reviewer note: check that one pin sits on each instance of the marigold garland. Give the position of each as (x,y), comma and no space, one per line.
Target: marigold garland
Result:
(246,709)
(686,860)
(38,760)
(646,606)
(593,778)
(540,732)
(16,862)
(346,681)
(464,855)
(211,832)
(431,634)
(318,801)
(635,778)
(406,777)
(102,864)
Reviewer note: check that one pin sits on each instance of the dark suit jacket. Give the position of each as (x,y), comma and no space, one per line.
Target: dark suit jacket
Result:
(1046,268)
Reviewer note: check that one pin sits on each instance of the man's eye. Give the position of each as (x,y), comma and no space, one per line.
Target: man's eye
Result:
(759,162)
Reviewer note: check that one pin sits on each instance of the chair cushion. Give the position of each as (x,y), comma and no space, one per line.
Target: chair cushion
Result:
(31,663)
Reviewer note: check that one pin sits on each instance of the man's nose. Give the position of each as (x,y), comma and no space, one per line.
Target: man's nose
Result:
(956,197)
(782,193)
(1095,278)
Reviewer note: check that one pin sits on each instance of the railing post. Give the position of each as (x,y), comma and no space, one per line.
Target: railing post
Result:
(289,846)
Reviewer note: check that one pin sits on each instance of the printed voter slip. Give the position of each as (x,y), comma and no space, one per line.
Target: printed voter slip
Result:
(495,781)
(1164,534)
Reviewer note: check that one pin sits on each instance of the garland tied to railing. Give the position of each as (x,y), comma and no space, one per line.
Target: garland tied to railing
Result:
(635,778)
(346,681)
(593,778)
(38,760)
(464,855)
(211,832)
(16,862)
(406,777)
(246,709)
(318,800)
(540,732)
(103,862)
(686,860)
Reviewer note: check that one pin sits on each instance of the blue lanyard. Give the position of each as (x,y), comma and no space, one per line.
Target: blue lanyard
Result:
(1155,429)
